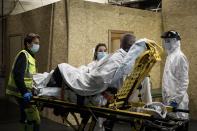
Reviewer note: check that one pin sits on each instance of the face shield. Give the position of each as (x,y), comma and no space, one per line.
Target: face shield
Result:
(170,44)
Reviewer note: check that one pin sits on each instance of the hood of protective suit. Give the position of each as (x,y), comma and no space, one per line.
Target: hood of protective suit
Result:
(171,45)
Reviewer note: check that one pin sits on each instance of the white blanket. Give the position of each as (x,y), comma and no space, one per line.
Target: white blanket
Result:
(109,72)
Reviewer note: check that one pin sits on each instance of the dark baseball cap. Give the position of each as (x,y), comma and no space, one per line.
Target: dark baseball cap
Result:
(171,34)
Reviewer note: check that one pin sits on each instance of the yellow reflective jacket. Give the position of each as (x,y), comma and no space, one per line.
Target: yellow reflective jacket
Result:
(29,71)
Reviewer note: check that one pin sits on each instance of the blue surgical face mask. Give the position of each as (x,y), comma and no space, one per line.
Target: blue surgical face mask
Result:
(35,48)
(100,55)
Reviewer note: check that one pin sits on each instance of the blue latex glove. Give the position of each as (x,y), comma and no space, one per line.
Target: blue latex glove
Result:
(173,104)
(27,97)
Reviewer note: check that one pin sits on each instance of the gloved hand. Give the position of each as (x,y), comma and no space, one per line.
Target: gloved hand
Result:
(27,97)
(173,104)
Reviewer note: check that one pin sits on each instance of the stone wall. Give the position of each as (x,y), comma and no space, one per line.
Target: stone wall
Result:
(59,48)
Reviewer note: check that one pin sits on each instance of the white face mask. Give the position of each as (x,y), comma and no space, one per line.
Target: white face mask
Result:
(170,44)
(35,48)
(100,55)
(167,45)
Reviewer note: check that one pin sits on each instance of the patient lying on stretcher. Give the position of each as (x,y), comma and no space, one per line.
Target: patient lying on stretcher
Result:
(92,87)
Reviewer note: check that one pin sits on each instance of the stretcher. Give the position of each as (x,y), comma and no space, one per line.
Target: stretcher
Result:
(138,121)
(118,108)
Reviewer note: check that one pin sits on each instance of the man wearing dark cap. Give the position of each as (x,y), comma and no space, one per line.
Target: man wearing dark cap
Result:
(175,76)
(20,82)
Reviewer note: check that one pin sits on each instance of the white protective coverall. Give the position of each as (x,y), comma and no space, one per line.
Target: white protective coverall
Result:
(145,92)
(175,78)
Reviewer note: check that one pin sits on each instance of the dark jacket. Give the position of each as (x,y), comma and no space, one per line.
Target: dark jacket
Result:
(19,72)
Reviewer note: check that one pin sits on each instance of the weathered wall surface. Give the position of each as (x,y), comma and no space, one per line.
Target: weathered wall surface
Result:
(2,75)
(59,50)
(89,24)
(37,21)
(59,46)
(1,43)
(180,15)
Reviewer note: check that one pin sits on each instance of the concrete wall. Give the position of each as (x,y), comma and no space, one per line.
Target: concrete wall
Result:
(59,49)
(2,45)
(1,42)
(181,16)
(37,21)
(89,24)
(1,60)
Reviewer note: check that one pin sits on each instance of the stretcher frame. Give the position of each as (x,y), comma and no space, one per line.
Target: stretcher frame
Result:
(118,108)
(148,122)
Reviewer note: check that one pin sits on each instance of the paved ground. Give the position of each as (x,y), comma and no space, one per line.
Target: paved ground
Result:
(48,125)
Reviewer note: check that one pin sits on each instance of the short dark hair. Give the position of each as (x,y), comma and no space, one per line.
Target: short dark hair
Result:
(127,40)
(29,38)
(96,49)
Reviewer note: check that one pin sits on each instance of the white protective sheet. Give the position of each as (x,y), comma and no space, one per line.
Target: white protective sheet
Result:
(109,72)
(40,82)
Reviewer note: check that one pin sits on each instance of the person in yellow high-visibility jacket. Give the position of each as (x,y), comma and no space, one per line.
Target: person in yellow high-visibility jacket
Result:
(20,82)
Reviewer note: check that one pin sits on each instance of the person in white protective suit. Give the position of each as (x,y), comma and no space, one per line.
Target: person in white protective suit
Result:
(108,72)
(100,51)
(175,76)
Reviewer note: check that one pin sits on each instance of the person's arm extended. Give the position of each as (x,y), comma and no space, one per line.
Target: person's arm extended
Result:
(128,63)
(19,73)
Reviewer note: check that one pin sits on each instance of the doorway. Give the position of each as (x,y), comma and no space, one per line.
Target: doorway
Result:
(15,45)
